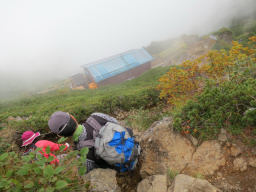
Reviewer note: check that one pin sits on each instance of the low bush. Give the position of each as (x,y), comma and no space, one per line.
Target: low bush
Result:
(230,105)
(185,81)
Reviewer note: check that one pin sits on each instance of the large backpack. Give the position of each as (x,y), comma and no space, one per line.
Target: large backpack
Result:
(113,143)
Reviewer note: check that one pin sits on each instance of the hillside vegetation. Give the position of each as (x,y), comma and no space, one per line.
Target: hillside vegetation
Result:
(134,94)
(221,88)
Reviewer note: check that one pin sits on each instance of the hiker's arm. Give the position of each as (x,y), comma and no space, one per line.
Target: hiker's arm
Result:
(43,144)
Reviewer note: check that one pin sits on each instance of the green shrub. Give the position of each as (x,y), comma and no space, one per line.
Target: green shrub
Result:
(225,106)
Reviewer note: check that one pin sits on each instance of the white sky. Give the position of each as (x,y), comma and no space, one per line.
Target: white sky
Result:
(43,38)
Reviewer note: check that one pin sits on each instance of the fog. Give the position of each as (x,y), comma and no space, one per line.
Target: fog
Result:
(47,40)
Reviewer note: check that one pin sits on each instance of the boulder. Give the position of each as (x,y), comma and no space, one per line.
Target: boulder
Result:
(102,180)
(162,149)
(240,164)
(207,159)
(155,183)
(184,183)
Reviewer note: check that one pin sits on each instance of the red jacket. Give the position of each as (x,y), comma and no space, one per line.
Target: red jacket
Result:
(43,144)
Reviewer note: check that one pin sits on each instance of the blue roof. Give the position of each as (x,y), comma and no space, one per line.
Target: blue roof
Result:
(117,64)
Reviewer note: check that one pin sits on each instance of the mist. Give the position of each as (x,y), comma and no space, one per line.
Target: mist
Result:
(42,41)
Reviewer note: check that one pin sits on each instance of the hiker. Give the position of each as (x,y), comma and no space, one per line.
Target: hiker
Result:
(110,145)
(30,142)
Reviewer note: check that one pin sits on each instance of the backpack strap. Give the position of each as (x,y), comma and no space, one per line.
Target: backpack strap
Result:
(94,123)
(96,128)
(105,117)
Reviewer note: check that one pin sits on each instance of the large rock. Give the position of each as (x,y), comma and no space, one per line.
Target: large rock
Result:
(163,149)
(155,183)
(102,180)
(207,159)
(185,183)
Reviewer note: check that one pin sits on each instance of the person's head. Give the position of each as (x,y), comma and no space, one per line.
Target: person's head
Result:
(62,123)
(28,137)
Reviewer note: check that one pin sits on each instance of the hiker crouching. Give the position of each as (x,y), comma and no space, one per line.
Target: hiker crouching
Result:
(110,145)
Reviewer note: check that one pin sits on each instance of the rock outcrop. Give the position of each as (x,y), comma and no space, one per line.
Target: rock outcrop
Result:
(184,183)
(163,149)
(102,180)
(207,159)
(155,183)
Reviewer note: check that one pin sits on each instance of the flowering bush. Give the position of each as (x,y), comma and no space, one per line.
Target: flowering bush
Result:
(185,80)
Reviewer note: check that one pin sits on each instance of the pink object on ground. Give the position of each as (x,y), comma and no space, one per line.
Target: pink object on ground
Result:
(28,137)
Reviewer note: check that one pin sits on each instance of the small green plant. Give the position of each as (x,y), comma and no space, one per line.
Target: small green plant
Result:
(172,173)
(199,176)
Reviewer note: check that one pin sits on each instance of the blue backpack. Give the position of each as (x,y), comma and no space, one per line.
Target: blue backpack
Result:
(113,143)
